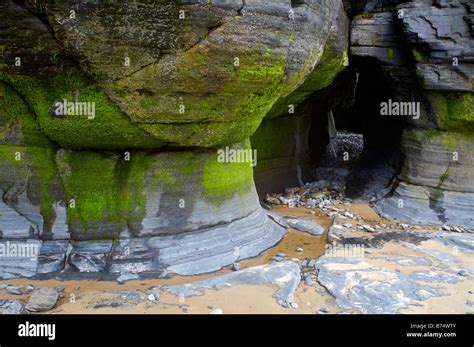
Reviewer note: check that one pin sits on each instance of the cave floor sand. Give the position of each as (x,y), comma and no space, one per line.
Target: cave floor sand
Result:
(98,297)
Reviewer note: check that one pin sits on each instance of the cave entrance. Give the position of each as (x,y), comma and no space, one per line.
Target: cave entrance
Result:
(364,147)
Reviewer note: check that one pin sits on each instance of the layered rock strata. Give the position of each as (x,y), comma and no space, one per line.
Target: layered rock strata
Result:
(425,49)
(111,121)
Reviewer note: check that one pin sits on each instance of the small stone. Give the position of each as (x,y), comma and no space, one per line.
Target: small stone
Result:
(151,297)
(456,230)
(463,273)
(324,310)
(15,290)
(236,266)
(404,226)
(77,287)
(308,281)
(217,311)
(300,250)
(272,200)
(60,288)
(368,228)
(310,203)
(347,225)
(281,254)
(126,277)
(294,305)
(42,299)
(446,228)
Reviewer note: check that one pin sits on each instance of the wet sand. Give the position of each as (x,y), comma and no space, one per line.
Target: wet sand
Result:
(94,296)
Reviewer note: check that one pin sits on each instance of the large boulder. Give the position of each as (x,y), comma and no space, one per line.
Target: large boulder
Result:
(170,73)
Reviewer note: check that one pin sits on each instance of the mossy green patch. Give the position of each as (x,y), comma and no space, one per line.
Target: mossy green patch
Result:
(331,64)
(273,137)
(451,140)
(221,181)
(17,123)
(99,195)
(232,114)
(21,128)
(109,129)
(390,54)
(455,111)
(418,56)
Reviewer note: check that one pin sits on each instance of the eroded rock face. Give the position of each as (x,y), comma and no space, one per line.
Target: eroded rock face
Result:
(436,182)
(425,49)
(187,74)
(92,97)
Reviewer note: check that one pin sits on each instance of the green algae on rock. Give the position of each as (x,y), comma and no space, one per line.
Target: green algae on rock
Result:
(455,111)
(108,129)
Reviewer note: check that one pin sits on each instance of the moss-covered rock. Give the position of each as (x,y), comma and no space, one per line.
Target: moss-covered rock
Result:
(107,128)
(28,166)
(186,74)
(454,111)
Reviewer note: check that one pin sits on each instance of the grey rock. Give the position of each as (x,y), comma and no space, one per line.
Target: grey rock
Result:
(52,256)
(126,277)
(236,266)
(285,275)
(433,276)
(304,225)
(324,310)
(12,307)
(59,288)
(463,273)
(90,256)
(152,297)
(294,305)
(308,281)
(278,259)
(368,228)
(42,299)
(377,37)
(355,286)
(16,290)
(21,263)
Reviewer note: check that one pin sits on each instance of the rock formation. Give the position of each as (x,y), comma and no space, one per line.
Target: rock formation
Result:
(112,117)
